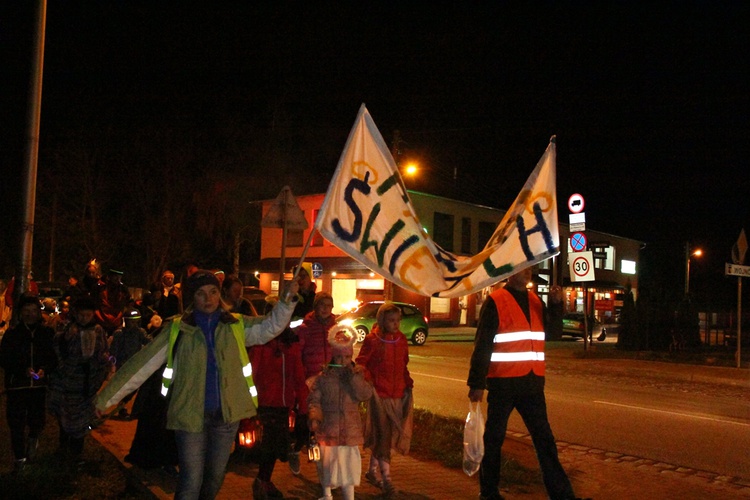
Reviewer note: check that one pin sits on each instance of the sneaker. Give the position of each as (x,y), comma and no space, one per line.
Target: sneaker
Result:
(372,479)
(272,491)
(32,444)
(294,462)
(388,488)
(170,470)
(19,465)
(259,492)
(265,489)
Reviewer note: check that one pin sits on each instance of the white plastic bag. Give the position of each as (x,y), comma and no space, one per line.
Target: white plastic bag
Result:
(473,439)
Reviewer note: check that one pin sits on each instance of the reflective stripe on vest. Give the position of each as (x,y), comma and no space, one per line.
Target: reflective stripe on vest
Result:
(238,331)
(518,347)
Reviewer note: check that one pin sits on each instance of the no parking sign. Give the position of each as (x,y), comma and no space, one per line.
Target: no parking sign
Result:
(578,242)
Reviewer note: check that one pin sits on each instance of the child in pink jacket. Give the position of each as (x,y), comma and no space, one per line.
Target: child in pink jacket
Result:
(333,414)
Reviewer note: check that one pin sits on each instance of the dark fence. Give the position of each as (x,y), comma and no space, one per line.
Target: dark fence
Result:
(720,328)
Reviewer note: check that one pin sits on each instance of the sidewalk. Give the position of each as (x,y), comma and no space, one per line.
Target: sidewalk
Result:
(414,479)
(594,473)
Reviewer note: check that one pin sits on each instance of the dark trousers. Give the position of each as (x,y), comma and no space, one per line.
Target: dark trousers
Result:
(526,395)
(276,441)
(25,407)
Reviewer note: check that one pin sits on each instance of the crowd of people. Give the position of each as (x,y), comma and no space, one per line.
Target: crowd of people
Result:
(199,362)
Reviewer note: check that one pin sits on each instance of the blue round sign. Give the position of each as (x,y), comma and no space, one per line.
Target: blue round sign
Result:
(317,269)
(578,242)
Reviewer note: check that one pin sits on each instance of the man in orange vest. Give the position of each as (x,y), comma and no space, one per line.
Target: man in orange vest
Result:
(508,361)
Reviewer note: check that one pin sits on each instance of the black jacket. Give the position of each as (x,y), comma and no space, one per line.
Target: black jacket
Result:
(25,347)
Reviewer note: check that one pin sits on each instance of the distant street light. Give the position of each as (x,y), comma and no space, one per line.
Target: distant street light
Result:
(411,169)
(697,253)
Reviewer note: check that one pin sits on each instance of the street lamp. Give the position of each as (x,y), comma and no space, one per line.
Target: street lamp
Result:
(697,253)
(411,169)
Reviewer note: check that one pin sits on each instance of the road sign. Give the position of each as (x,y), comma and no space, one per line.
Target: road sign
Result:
(317,269)
(578,242)
(285,211)
(582,267)
(739,249)
(576,203)
(737,270)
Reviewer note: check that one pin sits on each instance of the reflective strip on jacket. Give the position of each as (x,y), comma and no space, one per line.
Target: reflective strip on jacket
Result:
(238,330)
(187,398)
(518,346)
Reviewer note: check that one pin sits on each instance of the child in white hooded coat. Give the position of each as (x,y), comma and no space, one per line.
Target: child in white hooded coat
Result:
(333,414)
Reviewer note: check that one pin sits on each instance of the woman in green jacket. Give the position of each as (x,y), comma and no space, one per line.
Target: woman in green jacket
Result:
(207,380)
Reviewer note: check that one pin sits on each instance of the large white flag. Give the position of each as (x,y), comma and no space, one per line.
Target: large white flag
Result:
(367,213)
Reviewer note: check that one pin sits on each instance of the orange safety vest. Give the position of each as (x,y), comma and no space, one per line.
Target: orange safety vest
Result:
(518,346)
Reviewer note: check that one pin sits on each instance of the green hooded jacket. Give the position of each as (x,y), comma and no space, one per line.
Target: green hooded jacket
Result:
(187,391)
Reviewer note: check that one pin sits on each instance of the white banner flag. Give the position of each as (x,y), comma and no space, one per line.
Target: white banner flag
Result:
(367,213)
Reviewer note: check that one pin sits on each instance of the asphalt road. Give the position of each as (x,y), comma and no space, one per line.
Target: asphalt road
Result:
(646,409)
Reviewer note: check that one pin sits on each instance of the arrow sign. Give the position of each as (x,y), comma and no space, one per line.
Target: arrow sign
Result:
(578,242)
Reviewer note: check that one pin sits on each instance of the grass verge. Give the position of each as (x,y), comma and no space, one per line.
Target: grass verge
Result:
(440,439)
(706,356)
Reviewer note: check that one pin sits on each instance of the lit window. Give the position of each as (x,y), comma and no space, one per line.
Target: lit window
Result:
(627,266)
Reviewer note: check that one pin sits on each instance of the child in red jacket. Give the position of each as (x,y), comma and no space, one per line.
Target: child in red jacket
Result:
(280,378)
(385,356)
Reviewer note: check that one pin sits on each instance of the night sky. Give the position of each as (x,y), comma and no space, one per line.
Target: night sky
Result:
(648,100)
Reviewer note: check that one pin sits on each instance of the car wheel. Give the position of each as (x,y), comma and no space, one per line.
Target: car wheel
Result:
(361,334)
(419,337)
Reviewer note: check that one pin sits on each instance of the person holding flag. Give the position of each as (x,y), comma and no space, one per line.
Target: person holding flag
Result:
(208,379)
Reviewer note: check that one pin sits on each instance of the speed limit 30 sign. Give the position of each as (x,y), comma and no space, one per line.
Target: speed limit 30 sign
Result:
(582,266)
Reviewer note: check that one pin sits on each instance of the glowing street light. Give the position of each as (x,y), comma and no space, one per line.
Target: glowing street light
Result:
(411,169)
(695,253)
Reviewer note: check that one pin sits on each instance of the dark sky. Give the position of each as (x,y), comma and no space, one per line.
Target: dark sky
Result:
(649,100)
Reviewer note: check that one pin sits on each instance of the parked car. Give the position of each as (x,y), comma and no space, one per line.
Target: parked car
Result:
(257,298)
(573,325)
(413,322)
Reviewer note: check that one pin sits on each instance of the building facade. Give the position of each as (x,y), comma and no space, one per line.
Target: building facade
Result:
(459,227)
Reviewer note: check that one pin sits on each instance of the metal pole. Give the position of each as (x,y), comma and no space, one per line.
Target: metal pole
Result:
(687,268)
(739,321)
(282,259)
(32,152)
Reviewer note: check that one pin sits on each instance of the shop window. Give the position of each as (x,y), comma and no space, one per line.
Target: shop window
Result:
(604,258)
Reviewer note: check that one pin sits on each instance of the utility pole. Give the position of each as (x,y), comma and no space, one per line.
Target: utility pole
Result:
(395,149)
(23,273)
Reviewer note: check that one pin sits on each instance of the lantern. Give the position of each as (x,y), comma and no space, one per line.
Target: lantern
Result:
(313,450)
(250,432)
(292,420)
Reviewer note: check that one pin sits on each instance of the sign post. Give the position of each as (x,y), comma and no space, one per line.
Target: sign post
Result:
(581,260)
(738,257)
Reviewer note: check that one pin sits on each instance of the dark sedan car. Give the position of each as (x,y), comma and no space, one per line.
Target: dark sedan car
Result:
(573,325)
